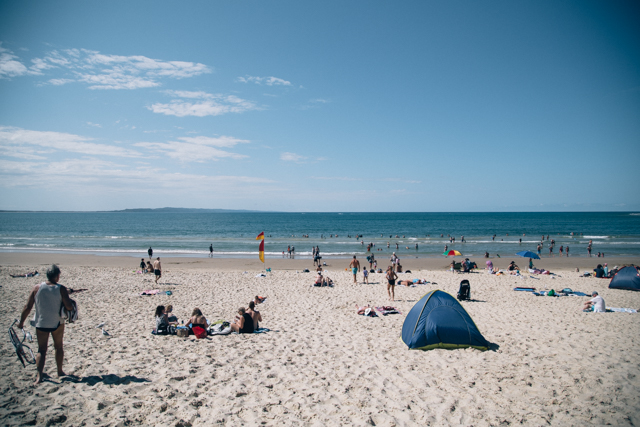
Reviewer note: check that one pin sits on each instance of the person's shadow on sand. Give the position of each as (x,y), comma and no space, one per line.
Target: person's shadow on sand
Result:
(110,379)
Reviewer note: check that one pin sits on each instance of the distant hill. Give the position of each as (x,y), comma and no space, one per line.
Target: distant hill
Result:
(168,210)
(185,210)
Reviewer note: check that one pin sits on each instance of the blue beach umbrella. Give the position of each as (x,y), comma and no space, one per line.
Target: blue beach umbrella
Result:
(528,254)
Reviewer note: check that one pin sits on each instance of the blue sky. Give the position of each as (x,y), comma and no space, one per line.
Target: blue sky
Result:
(323,106)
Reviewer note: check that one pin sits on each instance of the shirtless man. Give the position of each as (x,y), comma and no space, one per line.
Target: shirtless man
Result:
(355,267)
(255,315)
(157,269)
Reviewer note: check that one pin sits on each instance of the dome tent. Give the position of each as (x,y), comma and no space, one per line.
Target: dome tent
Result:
(439,321)
(626,278)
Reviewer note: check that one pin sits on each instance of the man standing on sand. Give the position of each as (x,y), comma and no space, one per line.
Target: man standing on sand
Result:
(355,267)
(157,269)
(48,297)
(150,252)
(211,250)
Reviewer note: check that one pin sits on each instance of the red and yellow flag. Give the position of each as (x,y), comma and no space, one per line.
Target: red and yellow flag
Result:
(260,236)
(262,250)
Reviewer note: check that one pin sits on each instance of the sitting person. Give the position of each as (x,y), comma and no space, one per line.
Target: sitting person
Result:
(490,267)
(197,324)
(319,280)
(170,316)
(163,327)
(599,271)
(513,266)
(595,304)
(30,274)
(255,315)
(149,267)
(327,281)
(259,300)
(486,254)
(243,323)
(319,269)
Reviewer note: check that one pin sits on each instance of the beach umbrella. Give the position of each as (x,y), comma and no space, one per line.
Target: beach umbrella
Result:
(528,254)
(452,253)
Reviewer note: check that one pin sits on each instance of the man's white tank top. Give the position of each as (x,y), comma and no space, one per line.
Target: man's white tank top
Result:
(48,303)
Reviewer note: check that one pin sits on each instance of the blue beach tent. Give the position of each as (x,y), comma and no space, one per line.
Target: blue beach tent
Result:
(626,278)
(439,321)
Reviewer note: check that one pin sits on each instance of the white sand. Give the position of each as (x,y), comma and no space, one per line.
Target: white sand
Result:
(322,364)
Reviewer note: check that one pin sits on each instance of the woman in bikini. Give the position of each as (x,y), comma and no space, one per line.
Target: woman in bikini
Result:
(197,320)
(391,279)
(243,323)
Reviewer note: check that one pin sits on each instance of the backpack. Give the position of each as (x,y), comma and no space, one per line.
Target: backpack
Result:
(465,291)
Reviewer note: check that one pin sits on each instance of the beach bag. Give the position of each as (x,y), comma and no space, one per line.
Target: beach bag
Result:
(464,293)
(199,332)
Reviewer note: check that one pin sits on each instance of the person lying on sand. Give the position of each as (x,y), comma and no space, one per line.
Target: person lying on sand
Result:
(255,315)
(30,274)
(259,300)
(243,323)
(412,282)
(364,311)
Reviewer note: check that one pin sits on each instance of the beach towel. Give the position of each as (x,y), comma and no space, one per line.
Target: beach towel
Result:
(69,315)
(261,275)
(220,328)
(384,310)
(621,310)
(150,292)
(261,330)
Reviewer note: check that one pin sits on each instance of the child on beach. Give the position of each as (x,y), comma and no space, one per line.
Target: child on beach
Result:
(452,266)
(365,272)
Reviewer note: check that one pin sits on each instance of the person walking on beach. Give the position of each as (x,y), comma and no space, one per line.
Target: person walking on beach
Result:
(567,250)
(355,267)
(560,251)
(589,248)
(157,269)
(48,297)
(150,252)
(371,260)
(211,250)
(391,283)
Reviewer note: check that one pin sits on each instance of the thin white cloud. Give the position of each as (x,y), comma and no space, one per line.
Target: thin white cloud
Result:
(319,101)
(96,125)
(60,82)
(23,143)
(269,81)
(105,174)
(207,104)
(101,71)
(196,149)
(291,157)
(10,66)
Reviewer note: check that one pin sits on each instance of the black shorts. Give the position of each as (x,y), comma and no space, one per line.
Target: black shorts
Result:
(49,330)
(392,282)
(157,272)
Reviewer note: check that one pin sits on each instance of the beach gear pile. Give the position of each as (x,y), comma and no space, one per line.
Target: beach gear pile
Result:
(439,321)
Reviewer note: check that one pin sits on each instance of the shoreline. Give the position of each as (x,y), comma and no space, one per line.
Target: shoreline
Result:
(12,259)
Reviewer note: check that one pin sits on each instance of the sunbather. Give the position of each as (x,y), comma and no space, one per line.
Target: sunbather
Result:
(243,323)
(255,315)
(197,321)
(30,274)
(365,311)
(595,304)
(259,300)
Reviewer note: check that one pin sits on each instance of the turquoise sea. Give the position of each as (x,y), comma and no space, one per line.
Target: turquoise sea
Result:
(233,234)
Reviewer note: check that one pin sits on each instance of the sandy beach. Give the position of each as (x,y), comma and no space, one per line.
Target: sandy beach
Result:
(321,364)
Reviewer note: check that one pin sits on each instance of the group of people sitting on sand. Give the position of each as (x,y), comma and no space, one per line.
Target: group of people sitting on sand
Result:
(246,321)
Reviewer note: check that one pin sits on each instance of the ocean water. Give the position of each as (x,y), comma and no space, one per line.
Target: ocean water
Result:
(233,234)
